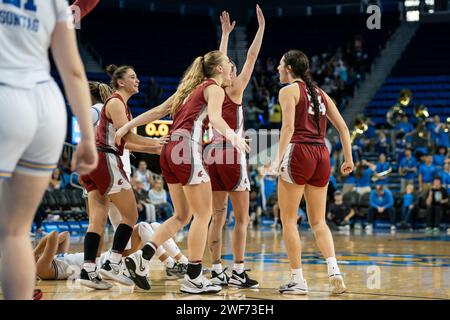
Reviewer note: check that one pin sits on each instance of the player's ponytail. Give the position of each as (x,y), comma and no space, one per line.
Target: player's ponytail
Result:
(100,92)
(300,67)
(116,73)
(202,67)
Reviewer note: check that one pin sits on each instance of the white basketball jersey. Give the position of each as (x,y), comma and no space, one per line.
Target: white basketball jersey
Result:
(26,28)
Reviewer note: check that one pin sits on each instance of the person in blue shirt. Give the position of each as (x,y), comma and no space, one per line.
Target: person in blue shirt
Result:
(400,146)
(407,207)
(439,157)
(407,169)
(381,166)
(363,176)
(442,137)
(427,171)
(381,201)
(431,126)
(406,127)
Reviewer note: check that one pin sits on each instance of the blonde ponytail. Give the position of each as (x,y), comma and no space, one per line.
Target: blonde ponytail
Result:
(105,92)
(201,68)
(193,76)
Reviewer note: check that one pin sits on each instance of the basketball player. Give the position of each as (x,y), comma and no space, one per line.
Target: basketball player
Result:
(305,165)
(54,262)
(232,178)
(199,95)
(108,182)
(33,125)
(100,92)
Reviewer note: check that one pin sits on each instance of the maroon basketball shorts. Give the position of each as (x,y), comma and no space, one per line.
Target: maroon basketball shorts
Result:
(182,162)
(306,164)
(109,177)
(227,168)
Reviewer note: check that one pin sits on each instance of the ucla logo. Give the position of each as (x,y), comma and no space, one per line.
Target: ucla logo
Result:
(29,4)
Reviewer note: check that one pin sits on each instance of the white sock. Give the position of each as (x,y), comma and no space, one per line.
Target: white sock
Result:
(217,268)
(238,267)
(115,257)
(297,275)
(169,262)
(183,260)
(89,266)
(97,261)
(332,266)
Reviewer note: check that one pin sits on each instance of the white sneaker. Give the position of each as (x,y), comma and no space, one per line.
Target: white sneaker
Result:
(138,268)
(337,284)
(114,271)
(369,228)
(294,288)
(436,230)
(220,278)
(448,230)
(428,230)
(198,285)
(92,280)
(393,228)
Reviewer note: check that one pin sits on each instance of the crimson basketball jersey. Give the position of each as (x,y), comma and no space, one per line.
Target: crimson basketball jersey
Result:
(306,130)
(233,115)
(191,116)
(106,132)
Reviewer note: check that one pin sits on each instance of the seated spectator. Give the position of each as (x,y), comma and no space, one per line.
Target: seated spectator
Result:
(144,175)
(436,200)
(146,209)
(407,207)
(255,209)
(382,166)
(339,213)
(382,146)
(439,157)
(407,170)
(363,176)
(55,181)
(427,171)
(158,197)
(381,200)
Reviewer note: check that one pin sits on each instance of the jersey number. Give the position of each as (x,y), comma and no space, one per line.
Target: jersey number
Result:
(29,4)
(322,108)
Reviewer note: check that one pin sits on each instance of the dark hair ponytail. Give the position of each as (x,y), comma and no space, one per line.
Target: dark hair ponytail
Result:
(300,67)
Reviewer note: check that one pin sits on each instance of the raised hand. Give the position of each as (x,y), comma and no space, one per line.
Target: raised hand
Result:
(260,16)
(227,27)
